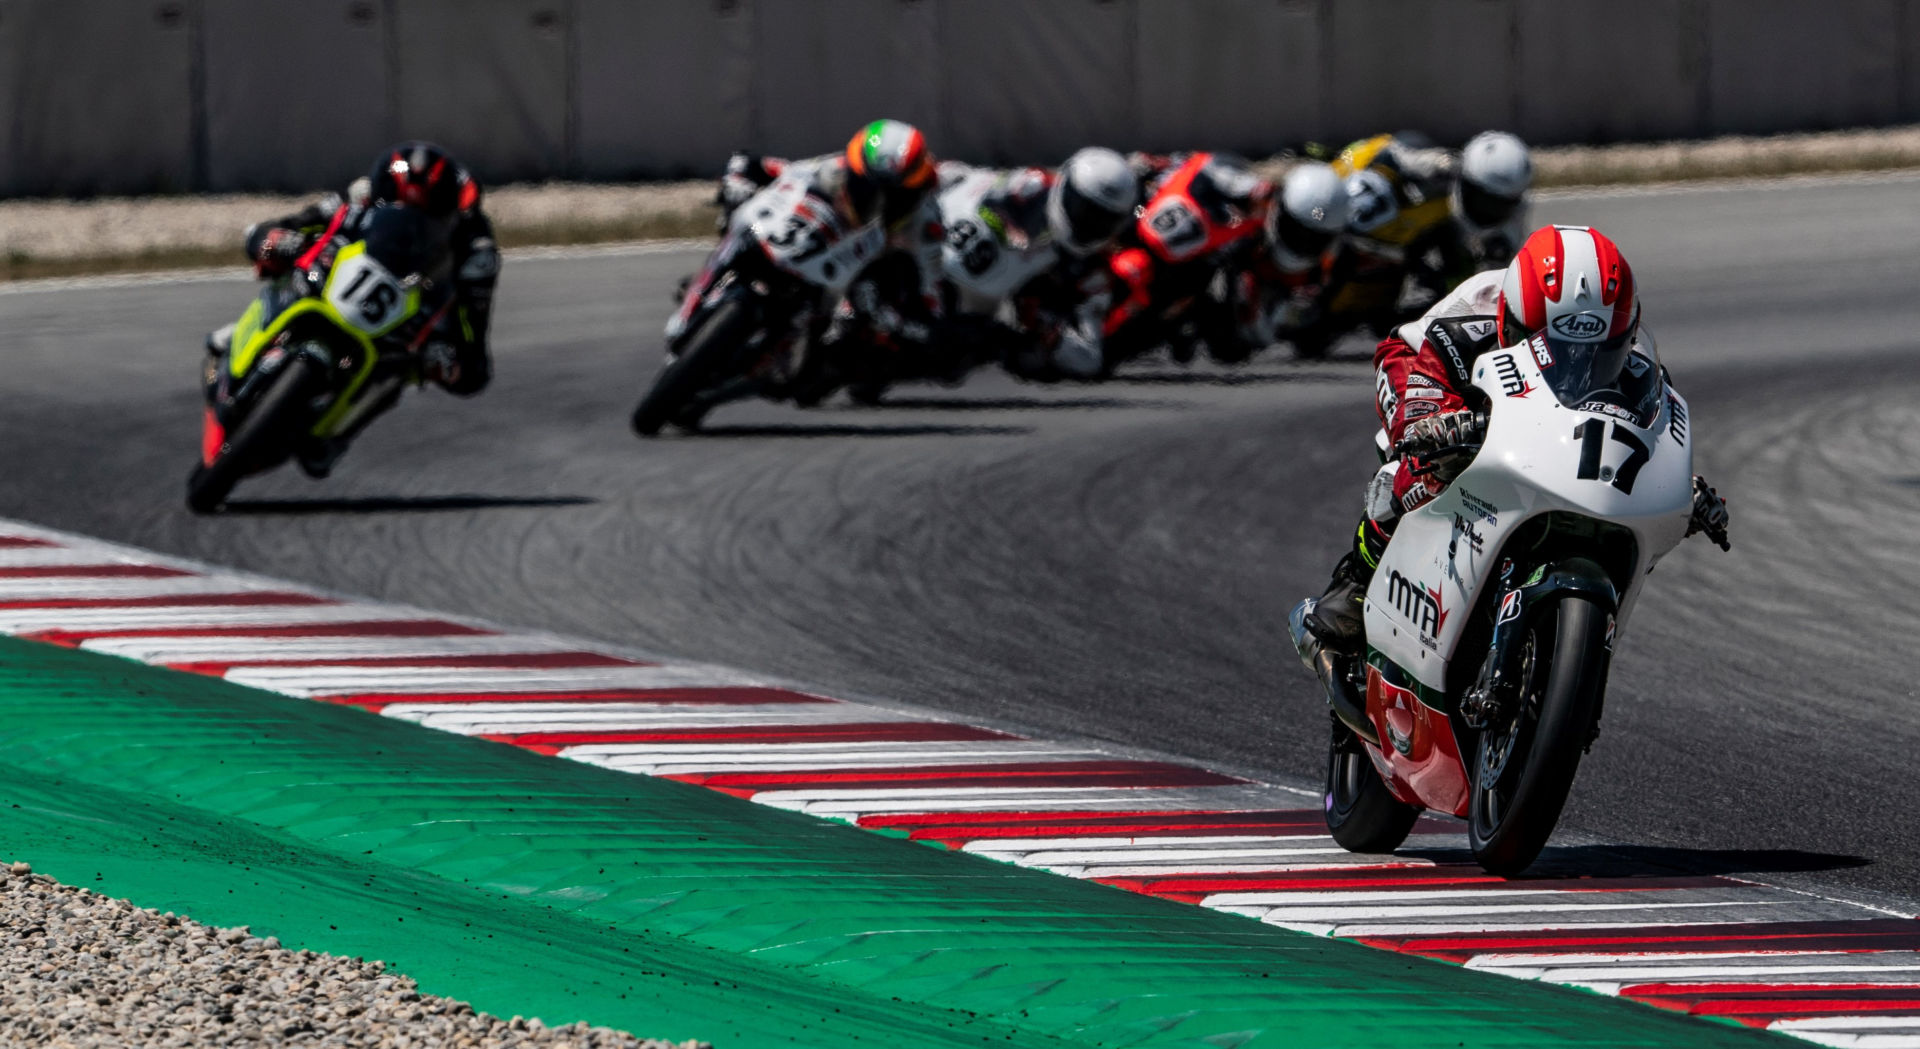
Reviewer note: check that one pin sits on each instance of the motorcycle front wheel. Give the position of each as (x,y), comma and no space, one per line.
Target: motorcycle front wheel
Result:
(261,439)
(1362,814)
(702,361)
(1524,765)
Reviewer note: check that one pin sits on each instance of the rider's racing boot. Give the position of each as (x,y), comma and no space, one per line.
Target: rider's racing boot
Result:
(1337,618)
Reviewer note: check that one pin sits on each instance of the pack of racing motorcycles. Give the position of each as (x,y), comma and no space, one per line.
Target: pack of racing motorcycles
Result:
(1536,461)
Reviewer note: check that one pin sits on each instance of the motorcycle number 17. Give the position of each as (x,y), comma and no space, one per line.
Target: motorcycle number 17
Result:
(367,295)
(1592,436)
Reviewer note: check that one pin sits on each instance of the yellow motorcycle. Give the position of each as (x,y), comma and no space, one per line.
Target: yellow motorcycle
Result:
(322,349)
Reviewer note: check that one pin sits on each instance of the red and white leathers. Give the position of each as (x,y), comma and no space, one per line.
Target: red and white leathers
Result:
(1421,369)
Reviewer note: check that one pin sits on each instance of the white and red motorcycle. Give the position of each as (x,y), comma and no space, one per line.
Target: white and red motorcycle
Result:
(748,319)
(1491,618)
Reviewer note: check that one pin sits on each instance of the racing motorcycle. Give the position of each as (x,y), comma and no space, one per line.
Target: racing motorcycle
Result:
(321,349)
(1187,247)
(749,322)
(1491,618)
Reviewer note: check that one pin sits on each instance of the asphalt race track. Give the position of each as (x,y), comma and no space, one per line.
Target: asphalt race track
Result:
(1114,560)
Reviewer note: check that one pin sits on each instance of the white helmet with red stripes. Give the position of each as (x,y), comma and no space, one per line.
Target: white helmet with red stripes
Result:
(1570,286)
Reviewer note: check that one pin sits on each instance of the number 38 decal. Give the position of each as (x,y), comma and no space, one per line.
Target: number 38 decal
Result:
(1592,436)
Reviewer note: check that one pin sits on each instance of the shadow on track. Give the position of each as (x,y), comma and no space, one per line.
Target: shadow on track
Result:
(399,504)
(1642,861)
(1185,378)
(1015,404)
(845,430)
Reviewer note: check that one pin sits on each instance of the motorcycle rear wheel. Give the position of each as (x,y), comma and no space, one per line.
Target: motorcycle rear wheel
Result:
(261,438)
(1362,814)
(1523,769)
(706,355)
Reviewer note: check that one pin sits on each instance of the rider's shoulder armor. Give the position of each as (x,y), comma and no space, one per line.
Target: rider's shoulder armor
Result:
(1462,325)
(1458,341)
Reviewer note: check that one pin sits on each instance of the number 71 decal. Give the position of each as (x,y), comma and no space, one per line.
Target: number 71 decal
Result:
(1592,436)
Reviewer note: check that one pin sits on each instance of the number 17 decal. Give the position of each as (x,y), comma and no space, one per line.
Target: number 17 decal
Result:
(1592,436)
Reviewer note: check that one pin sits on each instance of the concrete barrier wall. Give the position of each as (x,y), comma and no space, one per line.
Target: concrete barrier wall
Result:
(166,95)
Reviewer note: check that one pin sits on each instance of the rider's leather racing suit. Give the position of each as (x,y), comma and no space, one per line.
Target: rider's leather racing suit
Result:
(1012,288)
(1422,369)
(456,357)
(898,292)
(916,236)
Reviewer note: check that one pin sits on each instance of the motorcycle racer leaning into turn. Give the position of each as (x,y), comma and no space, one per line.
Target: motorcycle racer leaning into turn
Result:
(1419,214)
(884,178)
(423,177)
(1025,261)
(1567,284)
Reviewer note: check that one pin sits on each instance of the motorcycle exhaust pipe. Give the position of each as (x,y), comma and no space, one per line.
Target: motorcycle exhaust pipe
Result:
(1342,698)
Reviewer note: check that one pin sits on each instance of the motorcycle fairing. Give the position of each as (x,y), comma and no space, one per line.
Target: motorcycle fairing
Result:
(281,304)
(1425,768)
(806,236)
(1539,456)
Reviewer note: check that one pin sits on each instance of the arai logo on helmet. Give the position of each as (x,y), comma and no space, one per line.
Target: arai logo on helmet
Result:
(1580,327)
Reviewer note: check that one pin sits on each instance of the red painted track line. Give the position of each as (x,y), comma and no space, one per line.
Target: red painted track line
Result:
(862,732)
(245,597)
(742,696)
(17,542)
(116,571)
(1684,993)
(500,661)
(1083,817)
(1763,1012)
(1010,775)
(1867,934)
(363,628)
(1362,879)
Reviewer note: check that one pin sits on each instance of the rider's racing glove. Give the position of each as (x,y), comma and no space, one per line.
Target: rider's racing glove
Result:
(1442,431)
(277,252)
(1709,513)
(1439,445)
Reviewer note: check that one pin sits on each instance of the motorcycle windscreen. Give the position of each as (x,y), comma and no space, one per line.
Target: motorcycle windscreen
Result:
(1623,373)
(407,242)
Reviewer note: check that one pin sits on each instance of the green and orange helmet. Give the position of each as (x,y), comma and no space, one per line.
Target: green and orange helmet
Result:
(889,171)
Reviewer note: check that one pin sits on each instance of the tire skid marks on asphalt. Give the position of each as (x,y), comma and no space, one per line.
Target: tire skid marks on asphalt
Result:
(1827,971)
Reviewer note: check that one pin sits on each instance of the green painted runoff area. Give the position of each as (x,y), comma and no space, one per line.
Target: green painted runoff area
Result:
(541,887)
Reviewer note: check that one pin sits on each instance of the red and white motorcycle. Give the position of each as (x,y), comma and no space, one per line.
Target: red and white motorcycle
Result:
(747,319)
(1491,618)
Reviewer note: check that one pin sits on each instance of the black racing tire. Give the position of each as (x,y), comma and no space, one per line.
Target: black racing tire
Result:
(704,359)
(1510,819)
(262,438)
(1362,814)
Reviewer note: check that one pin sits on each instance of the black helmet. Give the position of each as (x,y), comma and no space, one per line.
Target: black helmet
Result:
(422,175)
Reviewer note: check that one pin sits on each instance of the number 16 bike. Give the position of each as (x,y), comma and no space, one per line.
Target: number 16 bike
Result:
(1491,618)
(322,349)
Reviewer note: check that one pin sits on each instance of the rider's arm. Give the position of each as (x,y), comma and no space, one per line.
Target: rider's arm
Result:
(930,235)
(273,245)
